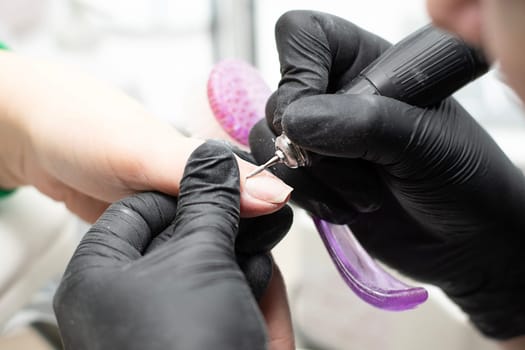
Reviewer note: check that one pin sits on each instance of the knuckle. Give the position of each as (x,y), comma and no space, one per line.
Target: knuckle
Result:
(291,20)
(371,122)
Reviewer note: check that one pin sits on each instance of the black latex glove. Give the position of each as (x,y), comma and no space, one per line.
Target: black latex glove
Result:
(257,236)
(155,272)
(425,190)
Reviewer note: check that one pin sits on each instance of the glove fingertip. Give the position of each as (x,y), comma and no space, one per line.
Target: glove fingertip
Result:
(258,271)
(261,234)
(273,118)
(261,142)
(210,191)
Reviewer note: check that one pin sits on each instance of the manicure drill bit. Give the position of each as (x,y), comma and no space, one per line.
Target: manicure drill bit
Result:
(285,152)
(277,158)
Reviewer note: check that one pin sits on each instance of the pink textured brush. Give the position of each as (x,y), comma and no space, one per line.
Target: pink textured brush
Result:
(237,95)
(236,98)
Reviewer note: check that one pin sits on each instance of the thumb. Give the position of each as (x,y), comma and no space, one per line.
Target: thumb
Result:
(209,197)
(125,230)
(374,128)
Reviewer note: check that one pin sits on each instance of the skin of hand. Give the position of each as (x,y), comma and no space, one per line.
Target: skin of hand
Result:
(157,272)
(496,25)
(276,312)
(427,191)
(87,145)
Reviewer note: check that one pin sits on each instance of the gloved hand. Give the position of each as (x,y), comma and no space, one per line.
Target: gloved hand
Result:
(155,272)
(425,190)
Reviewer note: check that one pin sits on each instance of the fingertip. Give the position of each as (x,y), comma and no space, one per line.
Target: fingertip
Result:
(258,271)
(262,142)
(267,188)
(209,193)
(251,208)
(212,173)
(263,233)
(261,194)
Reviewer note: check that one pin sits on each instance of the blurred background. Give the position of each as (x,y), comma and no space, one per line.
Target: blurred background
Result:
(161,52)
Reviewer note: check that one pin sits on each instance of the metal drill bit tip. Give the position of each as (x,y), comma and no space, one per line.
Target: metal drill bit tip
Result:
(272,161)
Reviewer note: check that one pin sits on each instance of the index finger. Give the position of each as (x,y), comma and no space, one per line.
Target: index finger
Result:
(319,53)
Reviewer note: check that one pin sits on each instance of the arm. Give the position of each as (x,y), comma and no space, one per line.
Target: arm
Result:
(434,195)
(84,143)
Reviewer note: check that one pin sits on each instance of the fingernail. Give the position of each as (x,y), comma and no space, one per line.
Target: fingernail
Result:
(267,188)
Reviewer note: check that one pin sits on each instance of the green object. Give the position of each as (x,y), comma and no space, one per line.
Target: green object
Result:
(4,193)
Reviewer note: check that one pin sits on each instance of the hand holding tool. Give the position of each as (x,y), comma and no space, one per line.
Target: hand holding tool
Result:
(422,69)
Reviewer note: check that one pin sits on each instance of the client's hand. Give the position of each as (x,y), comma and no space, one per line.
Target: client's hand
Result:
(84,143)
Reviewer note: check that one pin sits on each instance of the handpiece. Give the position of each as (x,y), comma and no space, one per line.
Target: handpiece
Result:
(422,69)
